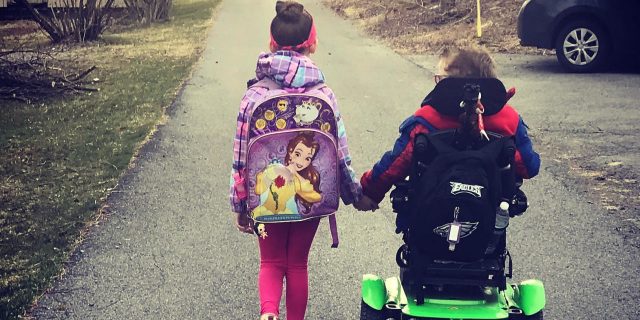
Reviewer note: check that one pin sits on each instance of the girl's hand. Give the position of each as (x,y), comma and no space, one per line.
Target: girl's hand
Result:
(243,224)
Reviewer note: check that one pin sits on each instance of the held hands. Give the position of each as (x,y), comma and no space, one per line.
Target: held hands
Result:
(365,204)
(243,224)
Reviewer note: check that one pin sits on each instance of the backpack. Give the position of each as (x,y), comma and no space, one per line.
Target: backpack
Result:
(291,171)
(448,208)
(457,185)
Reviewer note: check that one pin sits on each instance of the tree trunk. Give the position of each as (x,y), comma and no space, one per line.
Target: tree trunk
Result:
(77,20)
(44,24)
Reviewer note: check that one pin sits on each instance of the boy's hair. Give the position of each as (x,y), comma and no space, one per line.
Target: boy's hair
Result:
(468,62)
(292,24)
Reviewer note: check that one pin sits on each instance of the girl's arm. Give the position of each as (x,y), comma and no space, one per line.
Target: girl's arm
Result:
(237,194)
(350,189)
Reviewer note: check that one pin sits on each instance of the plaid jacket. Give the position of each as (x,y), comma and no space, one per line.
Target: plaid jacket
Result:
(293,72)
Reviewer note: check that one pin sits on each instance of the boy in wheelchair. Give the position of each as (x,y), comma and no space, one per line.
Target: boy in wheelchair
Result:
(457,167)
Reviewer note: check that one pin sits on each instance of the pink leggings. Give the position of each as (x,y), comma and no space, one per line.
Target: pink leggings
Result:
(284,254)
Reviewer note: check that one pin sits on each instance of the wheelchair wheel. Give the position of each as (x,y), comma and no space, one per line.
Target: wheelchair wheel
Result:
(537,316)
(368,313)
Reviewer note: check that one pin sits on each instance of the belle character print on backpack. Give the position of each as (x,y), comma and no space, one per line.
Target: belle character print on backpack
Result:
(291,187)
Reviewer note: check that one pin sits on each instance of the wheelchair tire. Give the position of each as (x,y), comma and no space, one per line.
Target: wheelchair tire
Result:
(368,313)
(536,316)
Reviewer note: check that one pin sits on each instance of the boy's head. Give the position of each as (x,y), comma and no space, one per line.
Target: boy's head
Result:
(466,62)
(292,28)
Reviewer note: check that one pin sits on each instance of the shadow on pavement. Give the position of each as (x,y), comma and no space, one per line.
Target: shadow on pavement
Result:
(618,65)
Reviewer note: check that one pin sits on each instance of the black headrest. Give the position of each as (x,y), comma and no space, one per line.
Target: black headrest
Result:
(449,92)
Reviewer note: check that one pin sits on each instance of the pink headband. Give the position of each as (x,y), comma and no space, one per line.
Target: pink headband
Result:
(311,40)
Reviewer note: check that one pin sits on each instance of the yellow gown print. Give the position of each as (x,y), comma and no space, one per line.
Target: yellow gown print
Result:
(277,187)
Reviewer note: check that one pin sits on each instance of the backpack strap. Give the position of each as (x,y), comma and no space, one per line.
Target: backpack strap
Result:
(503,151)
(333,226)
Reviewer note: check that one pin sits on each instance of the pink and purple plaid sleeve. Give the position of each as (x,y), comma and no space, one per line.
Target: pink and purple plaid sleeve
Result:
(350,189)
(238,199)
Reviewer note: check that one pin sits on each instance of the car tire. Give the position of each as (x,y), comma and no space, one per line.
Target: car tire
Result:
(582,46)
(368,313)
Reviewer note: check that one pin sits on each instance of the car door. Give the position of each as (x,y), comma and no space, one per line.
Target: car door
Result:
(624,21)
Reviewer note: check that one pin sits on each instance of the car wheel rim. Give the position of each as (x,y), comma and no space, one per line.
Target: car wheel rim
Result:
(581,46)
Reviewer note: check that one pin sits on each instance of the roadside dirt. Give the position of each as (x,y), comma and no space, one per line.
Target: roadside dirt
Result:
(421,26)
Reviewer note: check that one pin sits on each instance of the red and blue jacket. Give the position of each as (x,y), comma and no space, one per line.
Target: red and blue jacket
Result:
(395,165)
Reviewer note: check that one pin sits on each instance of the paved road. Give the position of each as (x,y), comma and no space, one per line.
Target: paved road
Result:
(168,251)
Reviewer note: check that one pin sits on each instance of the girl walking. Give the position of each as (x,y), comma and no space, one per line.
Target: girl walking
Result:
(284,247)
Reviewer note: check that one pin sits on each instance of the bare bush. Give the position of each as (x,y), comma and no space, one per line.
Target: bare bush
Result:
(147,11)
(75,20)
(30,75)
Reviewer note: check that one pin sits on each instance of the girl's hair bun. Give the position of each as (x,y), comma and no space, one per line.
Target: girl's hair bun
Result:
(289,11)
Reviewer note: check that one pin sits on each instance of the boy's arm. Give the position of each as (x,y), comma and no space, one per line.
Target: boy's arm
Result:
(394,165)
(350,189)
(526,159)
(509,122)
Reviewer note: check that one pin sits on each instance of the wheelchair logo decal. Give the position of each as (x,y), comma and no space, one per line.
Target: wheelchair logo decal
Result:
(457,188)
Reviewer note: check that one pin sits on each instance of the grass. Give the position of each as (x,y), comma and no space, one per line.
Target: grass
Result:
(60,158)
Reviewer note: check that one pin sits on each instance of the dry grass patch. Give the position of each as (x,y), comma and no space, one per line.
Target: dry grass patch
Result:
(411,28)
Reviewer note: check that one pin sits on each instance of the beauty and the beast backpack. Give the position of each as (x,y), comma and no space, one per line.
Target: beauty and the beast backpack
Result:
(291,171)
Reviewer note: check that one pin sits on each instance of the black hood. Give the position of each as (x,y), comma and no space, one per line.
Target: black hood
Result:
(449,92)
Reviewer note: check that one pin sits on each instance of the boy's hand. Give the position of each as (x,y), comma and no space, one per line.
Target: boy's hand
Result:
(243,224)
(365,204)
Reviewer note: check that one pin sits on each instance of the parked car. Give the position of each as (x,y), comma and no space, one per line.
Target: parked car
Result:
(586,34)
